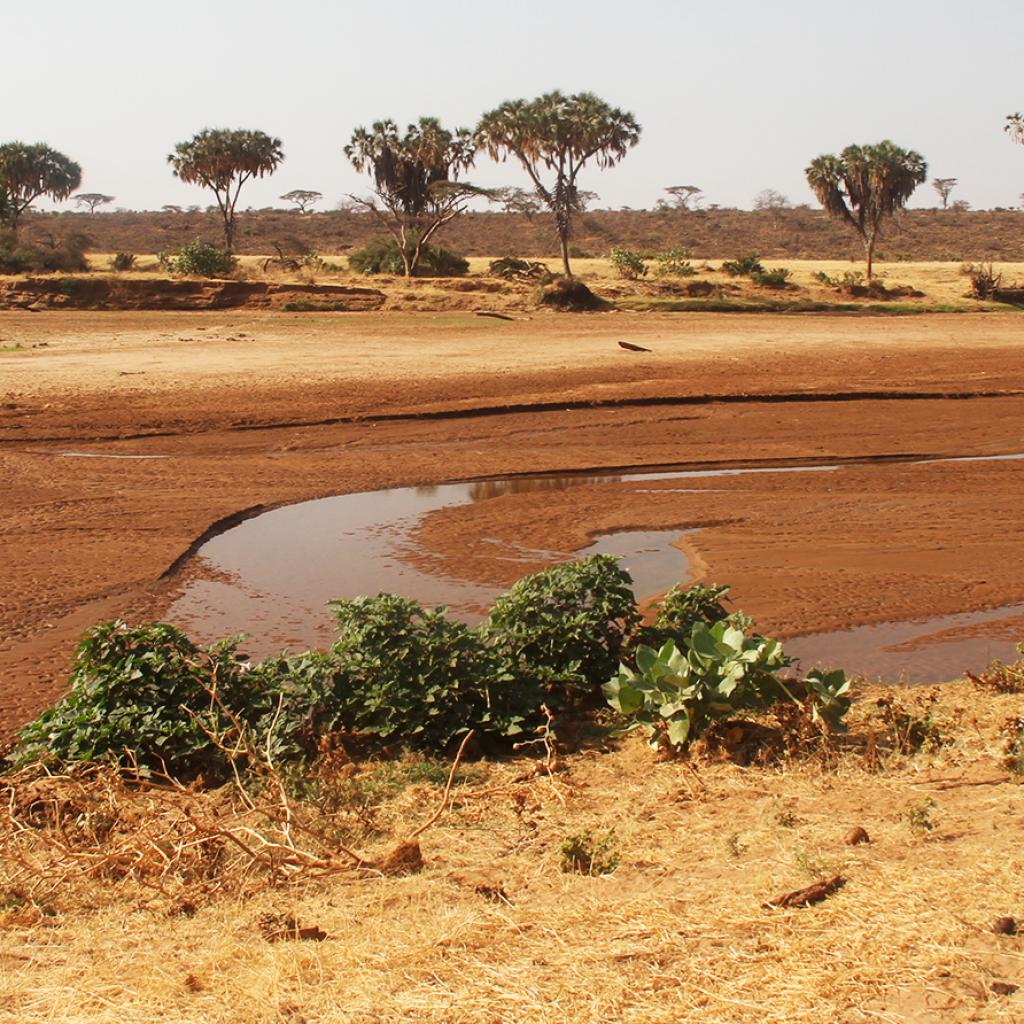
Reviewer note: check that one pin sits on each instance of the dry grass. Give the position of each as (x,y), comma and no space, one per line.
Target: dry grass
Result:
(491,930)
(943,286)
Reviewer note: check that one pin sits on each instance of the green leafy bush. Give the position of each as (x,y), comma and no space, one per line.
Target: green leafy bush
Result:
(413,675)
(846,281)
(745,266)
(627,263)
(288,703)
(122,261)
(777,278)
(717,673)
(564,629)
(383,256)
(137,695)
(60,254)
(674,263)
(682,608)
(199,258)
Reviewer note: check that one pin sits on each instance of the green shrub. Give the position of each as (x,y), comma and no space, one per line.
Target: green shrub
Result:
(412,675)
(122,261)
(138,695)
(61,254)
(383,256)
(849,279)
(745,266)
(199,258)
(777,278)
(684,607)
(717,673)
(289,703)
(564,629)
(674,263)
(627,263)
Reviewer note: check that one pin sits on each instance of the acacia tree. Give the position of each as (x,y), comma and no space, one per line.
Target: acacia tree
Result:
(302,198)
(30,171)
(416,179)
(93,199)
(223,160)
(770,199)
(559,134)
(864,185)
(519,200)
(685,197)
(944,186)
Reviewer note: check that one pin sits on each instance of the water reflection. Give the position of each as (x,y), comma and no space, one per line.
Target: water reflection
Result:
(484,490)
(286,564)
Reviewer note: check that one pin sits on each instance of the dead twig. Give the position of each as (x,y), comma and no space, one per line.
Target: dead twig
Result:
(806,897)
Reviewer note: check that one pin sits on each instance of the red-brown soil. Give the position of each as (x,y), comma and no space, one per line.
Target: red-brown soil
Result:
(262,408)
(126,293)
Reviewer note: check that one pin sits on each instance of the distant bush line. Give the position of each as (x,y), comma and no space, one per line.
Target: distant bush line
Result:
(944,235)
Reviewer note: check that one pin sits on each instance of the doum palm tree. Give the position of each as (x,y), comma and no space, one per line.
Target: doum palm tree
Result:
(558,135)
(864,185)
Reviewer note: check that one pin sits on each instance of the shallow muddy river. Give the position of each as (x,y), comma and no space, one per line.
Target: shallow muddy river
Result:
(272,576)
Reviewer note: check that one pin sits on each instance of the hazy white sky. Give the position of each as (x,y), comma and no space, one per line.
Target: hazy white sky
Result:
(734,96)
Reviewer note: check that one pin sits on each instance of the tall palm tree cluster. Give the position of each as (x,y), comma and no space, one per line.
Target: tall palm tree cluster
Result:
(418,181)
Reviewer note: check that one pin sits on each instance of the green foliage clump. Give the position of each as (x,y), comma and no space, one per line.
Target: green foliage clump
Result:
(199,258)
(401,675)
(777,278)
(288,702)
(589,853)
(627,263)
(716,673)
(415,676)
(745,266)
(674,263)
(122,261)
(682,608)
(562,631)
(138,695)
(148,697)
(61,254)
(383,256)
(846,281)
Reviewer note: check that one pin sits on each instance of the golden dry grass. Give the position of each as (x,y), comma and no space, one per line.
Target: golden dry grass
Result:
(492,931)
(942,284)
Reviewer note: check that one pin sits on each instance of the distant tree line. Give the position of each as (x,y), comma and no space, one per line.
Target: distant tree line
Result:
(418,182)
